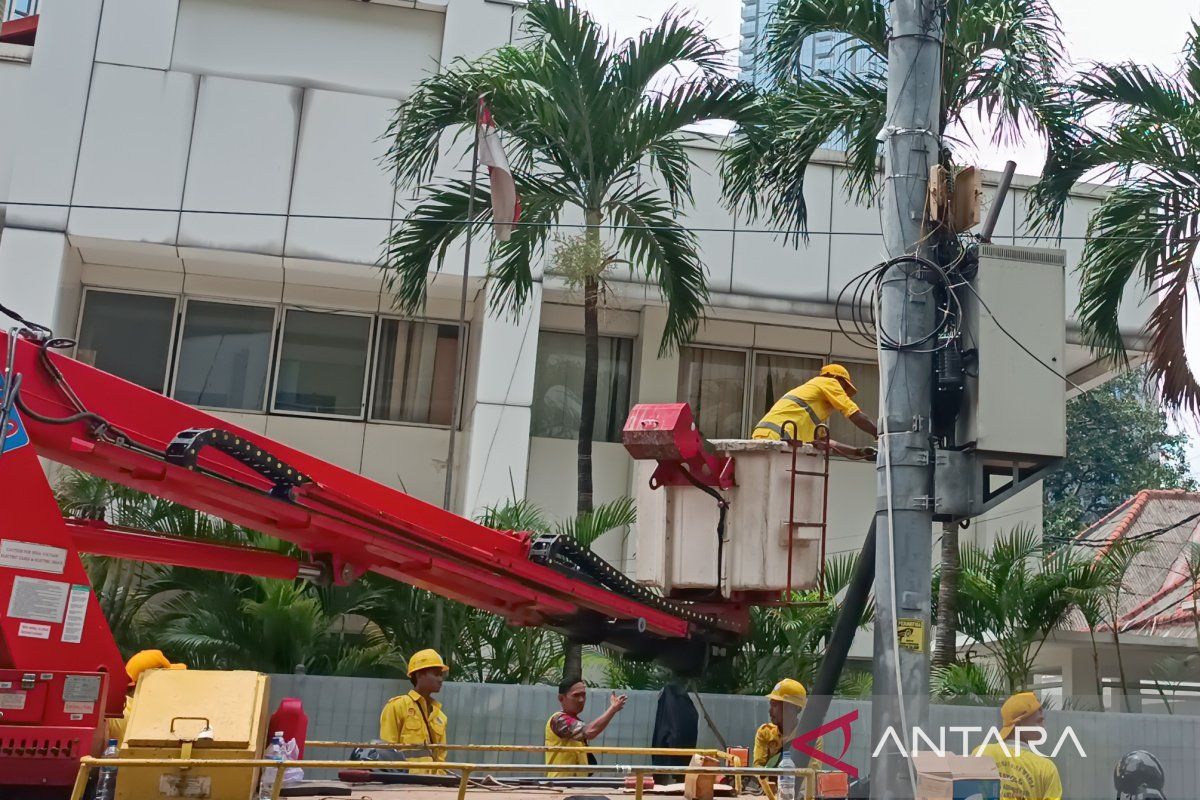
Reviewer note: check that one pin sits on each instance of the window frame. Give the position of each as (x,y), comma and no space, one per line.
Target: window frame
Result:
(172,348)
(464,338)
(278,358)
(747,373)
(633,368)
(276,340)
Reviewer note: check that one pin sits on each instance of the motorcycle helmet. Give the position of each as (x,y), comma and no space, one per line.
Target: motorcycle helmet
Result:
(1139,776)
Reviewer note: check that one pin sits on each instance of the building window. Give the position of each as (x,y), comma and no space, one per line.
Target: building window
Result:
(19,9)
(323,363)
(224,355)
(558,387)
(128,335)
(415,364)
(776,375)
(713,382)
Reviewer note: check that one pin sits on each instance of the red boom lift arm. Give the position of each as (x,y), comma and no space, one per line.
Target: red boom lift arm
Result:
(74,414)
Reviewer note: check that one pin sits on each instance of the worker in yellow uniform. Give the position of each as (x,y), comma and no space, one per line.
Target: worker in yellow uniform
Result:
(798,413)
(416,718)
(788,699)
(139,663)
(566,729)
(1024,774)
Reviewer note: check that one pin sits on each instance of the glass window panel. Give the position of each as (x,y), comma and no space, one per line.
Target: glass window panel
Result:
(713,383)
(322,363)
(128,335)
(224,355)
(775,376)
(415,364)
(866,379)
(558,386)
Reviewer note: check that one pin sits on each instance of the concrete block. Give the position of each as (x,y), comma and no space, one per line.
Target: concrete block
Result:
(134,154)
(138,33)
(243,146)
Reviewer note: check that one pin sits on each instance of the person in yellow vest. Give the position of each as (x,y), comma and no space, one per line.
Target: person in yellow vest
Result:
(1024,774)
(566,729)
(788,699)
(114,727)
(798,413)
(416,718)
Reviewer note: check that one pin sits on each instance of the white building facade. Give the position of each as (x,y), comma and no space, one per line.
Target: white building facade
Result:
(194,190)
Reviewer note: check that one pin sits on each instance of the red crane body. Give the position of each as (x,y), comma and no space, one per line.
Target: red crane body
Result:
(51,623)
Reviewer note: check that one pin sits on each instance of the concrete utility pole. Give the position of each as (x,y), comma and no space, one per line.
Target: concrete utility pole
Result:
(904,517)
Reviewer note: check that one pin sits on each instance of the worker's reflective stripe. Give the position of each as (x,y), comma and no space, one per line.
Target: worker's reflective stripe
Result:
(777,430)
(811,414)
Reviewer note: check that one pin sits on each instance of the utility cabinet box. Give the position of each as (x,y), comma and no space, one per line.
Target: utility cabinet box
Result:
(1015,407)
(677,525)
(196,713)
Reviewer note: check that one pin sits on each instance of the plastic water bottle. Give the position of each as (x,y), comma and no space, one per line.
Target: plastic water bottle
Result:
(106,780)
(275,752)
(787,783)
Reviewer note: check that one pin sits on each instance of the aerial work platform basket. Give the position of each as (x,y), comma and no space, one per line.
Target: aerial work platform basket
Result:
(731,519)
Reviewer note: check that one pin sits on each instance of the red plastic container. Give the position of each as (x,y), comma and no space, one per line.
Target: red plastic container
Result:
(291,719)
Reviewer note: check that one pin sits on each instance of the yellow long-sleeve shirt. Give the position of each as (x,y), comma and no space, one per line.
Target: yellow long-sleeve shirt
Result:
(407,720)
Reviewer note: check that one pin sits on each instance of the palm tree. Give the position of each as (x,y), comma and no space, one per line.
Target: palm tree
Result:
(1012,597)
(1001,59)
(1135,126)
(591,129)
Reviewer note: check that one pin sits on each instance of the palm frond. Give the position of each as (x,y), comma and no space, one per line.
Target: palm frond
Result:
(765,166)
(668,253)
(587,528)
(515,515)
(863,22)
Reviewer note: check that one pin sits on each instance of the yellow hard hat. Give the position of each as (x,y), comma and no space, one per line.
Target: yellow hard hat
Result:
(838,371)
(789,691)
(425,659)
(1017,709)
(145,660)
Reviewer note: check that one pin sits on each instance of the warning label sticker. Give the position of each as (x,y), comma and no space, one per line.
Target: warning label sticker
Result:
(81,688)
(31,630)
(911,634)
(33,556)
(12,701)
(78,708)
(37,599)
(76,613)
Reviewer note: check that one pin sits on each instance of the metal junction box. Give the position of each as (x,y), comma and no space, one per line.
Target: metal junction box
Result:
(1015,407)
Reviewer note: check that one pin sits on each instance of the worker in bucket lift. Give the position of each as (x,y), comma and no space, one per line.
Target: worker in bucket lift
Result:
(416,718)
(788,699)
(566,729)
(138,664)
(798,413)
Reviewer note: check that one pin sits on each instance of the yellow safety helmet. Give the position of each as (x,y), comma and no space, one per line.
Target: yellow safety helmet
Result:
(838,371)
(789,691)
(145,660)
(425,659)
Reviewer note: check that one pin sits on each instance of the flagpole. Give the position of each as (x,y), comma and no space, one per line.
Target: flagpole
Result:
(460,375)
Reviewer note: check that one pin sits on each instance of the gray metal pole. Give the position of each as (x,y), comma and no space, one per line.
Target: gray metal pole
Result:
(460,373)
(904,521)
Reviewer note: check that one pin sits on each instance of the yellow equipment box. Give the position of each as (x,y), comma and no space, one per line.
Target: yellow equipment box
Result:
(194,714)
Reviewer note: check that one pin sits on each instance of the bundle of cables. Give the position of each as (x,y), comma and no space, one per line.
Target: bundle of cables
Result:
(855,307)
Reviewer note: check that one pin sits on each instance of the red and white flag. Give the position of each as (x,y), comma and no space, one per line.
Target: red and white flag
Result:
(506,206)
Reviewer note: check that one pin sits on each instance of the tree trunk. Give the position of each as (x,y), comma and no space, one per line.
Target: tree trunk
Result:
(946,652)
(1121,670)
(573,653)
(1096,667)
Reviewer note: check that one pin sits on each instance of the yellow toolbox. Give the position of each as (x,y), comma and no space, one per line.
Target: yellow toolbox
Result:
(194,714)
